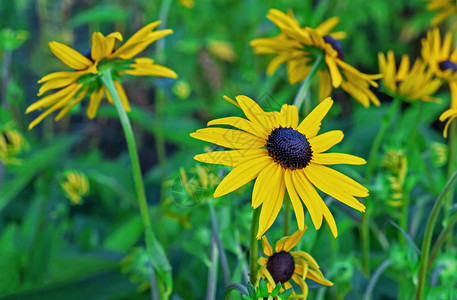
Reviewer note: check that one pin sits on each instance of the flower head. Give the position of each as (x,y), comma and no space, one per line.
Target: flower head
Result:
(417,83)
(443,62)
(11,143)
(298,47)
(283,265)
(75,186)
(282,154)
(445,8)
(73,86)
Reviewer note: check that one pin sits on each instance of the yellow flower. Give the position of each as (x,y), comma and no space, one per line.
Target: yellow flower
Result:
(223,50)
(412,84)
(11,143)
(297,47)
(282,154)
(187,3)
(443,62)
(284,265)
(73,86)
(75,186)
(396,162)
(445,8)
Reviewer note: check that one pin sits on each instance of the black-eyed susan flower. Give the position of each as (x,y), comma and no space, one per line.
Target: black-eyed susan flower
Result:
(70,87)
(282,154)
(443,62)
(299,47)
(75,185)
(283,265)
(417,83)
(444,8)
(11,144)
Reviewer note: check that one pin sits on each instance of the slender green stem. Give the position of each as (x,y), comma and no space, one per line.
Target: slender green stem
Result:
(254,250)
(212,274)
(415,125)
(365,228)
(374,279)
(378,139)
(136,169)
(404,218)
(235,287)
(428,235)
(450,170)
(439,241)
(220,246)
(303,91)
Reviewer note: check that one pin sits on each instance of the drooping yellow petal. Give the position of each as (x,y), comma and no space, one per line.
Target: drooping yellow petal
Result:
(325,84)
(263,186)
(95,99)
(295,200)
(293,240)
(334,72)
(52,98)
(311,125)
(70,57)
(325,141)
(230,138)
(309,196)
(231,158)
(273,202)
(241,175)
(67,108)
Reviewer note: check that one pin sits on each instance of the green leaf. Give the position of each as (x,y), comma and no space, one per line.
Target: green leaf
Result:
(286,294)
(160,262)
(100,14)
(125,236)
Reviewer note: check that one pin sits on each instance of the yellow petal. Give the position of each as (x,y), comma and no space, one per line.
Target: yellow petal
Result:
(325,84)
(52,98)
(295,200)
(241,175)
(266,247)
(67,108)
(231,158)
(309,196)
(95,99)
(254,113)
(334,72)
(293,240)
(273,202)
(325,27)
(239,123)
(70,57)
(290,116)
(264,184)
(325,141)
(337,186)
(336,159)
(312,123)
(230,138)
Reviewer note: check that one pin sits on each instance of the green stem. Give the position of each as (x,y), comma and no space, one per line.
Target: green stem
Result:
(220,246)
(450,170)
(212,274)
(235,287)
(254,250)
(136,169)
(415,125)
(365,228)
(378,139)
(404,218)
(439,241)
(303,91)
(428,235)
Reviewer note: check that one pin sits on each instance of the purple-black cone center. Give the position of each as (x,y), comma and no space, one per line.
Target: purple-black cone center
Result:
(281,266)
(336,45)
(289,147)
(448,65)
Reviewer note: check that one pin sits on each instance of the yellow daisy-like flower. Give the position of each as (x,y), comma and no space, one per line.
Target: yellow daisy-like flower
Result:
(417,83)
(297,46)
(282,154)
(284,265)
(443,62)
(445,8)
(75,185)
(73,86)
(11,143)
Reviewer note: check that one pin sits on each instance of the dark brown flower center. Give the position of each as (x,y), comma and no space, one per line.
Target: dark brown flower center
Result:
(289,147)
(336,45)
(281,266)
(448,65)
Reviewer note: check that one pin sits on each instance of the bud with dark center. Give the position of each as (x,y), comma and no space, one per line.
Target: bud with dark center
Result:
(448,65)
(336,45)
(281,266)
(289,147)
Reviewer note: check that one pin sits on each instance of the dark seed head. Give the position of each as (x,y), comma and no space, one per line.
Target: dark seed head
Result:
(281,266)
(289,147)
(448,65)
(335,45)
(398,82)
